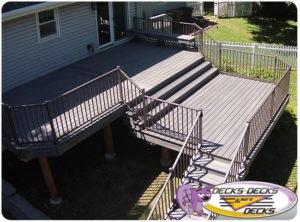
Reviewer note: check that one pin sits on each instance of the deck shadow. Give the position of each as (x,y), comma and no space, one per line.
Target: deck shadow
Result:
(91,187)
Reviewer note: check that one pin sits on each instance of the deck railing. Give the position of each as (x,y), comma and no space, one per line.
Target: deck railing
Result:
(53,120)
(255,129)
(166,118)
(240,63)
(165,26)
(166,196)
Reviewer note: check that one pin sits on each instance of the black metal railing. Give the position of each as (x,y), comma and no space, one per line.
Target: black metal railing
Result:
(60,117)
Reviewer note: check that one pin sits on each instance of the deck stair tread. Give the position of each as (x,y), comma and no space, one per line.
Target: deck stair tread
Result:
(175,85)
(189,76)
(168,75)
(182,94)
(188,89)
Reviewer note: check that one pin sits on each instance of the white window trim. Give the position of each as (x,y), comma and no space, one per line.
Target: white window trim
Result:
(45,39)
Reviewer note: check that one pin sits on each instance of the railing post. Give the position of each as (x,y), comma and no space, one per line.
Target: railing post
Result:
(275,69)
(120,84)
(200,128)
(50,116)
(201,42)
(220,55)
(246,139)
(11,124)
(144,109)
(171,171)
(272,104)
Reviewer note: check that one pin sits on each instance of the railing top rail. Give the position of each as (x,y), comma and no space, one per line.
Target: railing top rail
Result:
(251,53)
(154,19)
(83,85)
(174,104)
(269,94)
(25,105)
(140,89)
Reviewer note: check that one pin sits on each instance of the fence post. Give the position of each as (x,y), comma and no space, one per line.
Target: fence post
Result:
(275,69)
(11,124)
(246,139)
(144,108)
(120,84)
(50,116)
(254,51)
(220,55)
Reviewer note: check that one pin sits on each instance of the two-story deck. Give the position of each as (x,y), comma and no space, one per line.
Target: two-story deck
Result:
(215,106)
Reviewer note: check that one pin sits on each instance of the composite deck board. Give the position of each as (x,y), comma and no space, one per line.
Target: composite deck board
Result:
(227,102)
(241,106)
(165,69)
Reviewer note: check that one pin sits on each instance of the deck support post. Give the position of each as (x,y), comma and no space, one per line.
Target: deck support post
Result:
(165,157)
(55,199)
(109,144)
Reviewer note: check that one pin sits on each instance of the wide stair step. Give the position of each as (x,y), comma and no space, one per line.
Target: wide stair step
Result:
(177,75)
(157,110)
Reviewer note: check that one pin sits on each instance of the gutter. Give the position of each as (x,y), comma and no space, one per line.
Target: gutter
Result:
(31,10)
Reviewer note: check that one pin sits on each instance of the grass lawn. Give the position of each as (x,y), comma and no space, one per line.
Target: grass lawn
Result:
(255,29)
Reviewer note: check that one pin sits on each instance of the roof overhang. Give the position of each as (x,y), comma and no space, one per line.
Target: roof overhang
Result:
(31,10)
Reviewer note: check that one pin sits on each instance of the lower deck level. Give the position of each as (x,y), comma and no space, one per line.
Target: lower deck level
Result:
(228,102)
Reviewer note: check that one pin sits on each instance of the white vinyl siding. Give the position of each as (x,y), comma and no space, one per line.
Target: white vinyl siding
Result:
(25,59)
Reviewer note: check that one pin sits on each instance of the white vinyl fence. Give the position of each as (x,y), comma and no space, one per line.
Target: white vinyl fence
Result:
(286,53)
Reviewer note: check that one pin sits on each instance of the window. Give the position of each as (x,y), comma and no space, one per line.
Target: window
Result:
(47,24)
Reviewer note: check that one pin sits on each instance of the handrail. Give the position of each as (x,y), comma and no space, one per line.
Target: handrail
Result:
(167,193)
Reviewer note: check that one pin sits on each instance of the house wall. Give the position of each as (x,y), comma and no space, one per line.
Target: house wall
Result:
(153,8)
(24,58)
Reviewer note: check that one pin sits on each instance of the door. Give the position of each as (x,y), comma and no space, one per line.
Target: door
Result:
(104,23)
(111,20)
(119,20)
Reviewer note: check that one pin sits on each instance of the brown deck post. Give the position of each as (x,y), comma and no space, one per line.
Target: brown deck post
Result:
(109,143)
(48,177)
(165,157)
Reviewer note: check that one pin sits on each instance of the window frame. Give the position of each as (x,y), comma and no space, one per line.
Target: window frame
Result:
(38,24)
